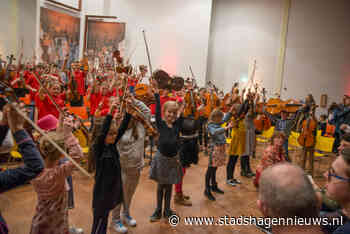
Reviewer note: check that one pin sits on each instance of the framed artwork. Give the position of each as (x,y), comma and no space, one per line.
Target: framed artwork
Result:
(59,37)
(102,37)
(70,4)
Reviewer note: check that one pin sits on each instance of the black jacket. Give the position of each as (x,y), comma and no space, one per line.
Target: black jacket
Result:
(108,184)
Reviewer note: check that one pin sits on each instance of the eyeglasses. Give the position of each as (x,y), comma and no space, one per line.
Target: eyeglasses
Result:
(331,173)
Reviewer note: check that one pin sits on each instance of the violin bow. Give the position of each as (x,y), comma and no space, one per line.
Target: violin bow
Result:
(148,54)
(36,127)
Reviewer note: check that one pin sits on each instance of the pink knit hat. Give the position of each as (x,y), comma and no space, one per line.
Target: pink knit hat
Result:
(48,122)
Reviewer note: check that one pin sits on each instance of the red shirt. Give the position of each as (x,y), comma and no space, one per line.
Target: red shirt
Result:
(32,82)
(163,99)
(46,107)
(97,98)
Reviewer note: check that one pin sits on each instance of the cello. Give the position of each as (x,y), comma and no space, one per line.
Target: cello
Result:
(307,136)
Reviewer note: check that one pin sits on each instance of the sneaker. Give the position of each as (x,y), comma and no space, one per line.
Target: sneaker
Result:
(74,230)
(230,182)
(156,216)
(119,227)
(236,181)
(129,220)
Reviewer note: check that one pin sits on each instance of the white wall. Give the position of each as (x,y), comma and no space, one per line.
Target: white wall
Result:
(177,33)
(318,49)
(317,53)
(241,31)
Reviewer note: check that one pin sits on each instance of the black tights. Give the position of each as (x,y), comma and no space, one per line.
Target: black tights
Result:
(164,190)
(210,177)
(230,169)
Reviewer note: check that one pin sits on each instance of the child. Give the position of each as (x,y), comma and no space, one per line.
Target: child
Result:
(217,150)
(165,168)
(51,187)
(107,193)
(237,146)
(131,150)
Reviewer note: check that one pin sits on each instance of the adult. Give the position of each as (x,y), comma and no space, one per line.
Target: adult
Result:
(286,192)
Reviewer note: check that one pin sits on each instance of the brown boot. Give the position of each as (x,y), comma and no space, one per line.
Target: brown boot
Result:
(180,200)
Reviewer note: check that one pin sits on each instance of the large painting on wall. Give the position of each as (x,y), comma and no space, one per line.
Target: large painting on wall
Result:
(59,37)
(102,38)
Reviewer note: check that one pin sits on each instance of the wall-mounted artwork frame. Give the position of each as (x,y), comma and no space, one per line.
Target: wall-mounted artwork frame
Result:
(323,101)
(59,37)
(102,36)
(75,7)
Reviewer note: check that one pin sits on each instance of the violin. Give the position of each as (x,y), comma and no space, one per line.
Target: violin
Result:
(9,73)
(144,94)
(230,98)
(191,101)
(138,115)
(262,122)
(212,101)
(84,63)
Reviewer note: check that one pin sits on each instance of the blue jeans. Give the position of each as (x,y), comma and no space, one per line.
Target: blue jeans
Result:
(285,147)
(70,191)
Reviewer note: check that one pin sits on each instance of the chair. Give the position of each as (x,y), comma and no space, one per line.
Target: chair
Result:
(323,146)
(13,155)
(265,136)
(293,143)
(79,111)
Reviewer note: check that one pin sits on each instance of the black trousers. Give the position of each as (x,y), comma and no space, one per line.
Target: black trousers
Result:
(210,177)
(230,168)
(164,192)
(100,223)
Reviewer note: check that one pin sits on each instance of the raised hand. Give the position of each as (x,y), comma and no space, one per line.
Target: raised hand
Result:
(15,120)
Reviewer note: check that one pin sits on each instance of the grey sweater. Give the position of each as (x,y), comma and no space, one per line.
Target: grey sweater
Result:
(131,150)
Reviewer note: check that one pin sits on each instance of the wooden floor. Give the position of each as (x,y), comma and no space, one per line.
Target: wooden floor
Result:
(237,201)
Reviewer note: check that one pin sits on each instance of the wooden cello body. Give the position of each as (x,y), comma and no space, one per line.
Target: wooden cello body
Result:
(307,137)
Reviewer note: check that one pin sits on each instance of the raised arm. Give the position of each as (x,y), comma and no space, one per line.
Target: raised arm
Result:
(33,163)
(123,127)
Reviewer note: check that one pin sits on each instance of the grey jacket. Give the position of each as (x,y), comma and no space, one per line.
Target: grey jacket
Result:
(216,132)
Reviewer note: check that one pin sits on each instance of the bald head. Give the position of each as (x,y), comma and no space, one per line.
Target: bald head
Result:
(286,191)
